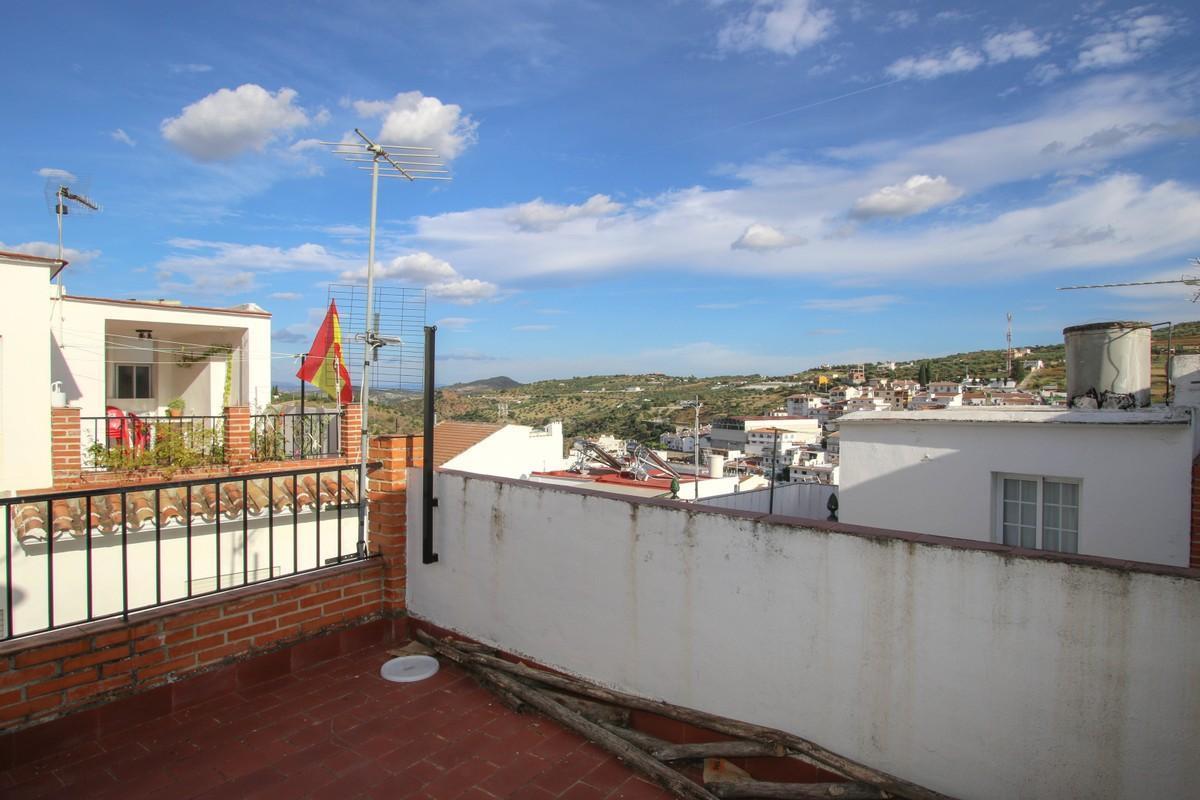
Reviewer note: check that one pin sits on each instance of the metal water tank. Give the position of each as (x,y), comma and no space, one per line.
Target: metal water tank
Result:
(716,466)
(1109,357)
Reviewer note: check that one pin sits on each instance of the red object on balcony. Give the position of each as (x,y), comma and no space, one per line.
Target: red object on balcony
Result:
(117,428)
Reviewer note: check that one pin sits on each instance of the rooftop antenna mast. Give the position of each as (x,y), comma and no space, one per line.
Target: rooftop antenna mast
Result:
(1008,353)
(407,162)
(1186,280)
(64,199)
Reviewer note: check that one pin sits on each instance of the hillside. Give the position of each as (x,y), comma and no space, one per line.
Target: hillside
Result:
(643,406)
(498,383)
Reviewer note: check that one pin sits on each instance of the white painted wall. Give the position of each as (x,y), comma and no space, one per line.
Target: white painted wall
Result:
(936,477)
(979,674)
(269,552)
(514,451)
(806,500)
(24,375)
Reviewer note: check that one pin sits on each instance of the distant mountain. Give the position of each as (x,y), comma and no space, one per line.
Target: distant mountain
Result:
(499,383)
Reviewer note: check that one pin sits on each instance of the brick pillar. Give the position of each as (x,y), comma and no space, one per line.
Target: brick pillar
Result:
(388,526)
(1194,552)
(237,435)
(66,459)
(350,434)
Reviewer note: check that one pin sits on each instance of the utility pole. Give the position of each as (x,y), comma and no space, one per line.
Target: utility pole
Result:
(774,464)
(1008,351)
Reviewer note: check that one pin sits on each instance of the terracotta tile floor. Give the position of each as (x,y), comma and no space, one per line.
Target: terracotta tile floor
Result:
(338,730)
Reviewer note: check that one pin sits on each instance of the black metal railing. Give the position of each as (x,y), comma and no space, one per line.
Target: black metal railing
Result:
(313,434)
(132,442)
(79,556)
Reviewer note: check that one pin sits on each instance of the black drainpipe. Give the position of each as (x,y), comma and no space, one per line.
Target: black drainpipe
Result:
(428,501)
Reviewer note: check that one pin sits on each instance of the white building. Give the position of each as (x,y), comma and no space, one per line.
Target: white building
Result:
(840,394)
(132,355)
(805,405)
(733,433)
(1104,483)
(503,451)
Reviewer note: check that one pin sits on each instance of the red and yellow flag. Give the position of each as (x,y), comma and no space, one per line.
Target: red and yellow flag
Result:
(324,366)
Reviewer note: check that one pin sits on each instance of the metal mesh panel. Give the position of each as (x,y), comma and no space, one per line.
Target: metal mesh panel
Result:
(398,312)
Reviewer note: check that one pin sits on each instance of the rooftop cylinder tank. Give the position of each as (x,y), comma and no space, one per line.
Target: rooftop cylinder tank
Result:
(1113,358)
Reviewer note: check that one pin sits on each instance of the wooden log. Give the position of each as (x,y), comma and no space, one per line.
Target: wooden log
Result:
(796,791)
(596,712)
(445,649)
(643,740)
(632,755)
(739,749)
(795,745)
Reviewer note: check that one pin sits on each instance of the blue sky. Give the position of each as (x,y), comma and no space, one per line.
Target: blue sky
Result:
(687,187)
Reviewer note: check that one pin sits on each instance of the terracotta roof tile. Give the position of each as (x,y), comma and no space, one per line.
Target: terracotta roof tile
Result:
(451,438)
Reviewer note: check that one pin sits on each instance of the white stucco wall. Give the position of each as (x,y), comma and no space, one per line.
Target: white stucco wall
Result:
(269,552)
(514,451)
(24,375)
(976,673)
(937,477)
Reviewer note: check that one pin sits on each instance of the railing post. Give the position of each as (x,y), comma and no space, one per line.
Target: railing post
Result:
(237,435)
(66,455)
(350,432)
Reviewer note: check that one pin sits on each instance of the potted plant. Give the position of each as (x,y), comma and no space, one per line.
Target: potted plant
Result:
(175,407)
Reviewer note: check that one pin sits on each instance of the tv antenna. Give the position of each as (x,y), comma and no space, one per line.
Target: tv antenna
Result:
(61,199)
(1186,280)
(407,162)
(1008,351)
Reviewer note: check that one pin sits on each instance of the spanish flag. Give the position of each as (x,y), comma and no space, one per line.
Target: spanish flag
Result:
(324,366)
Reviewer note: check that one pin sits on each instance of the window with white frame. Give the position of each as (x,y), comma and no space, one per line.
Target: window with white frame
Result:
(133,382)
(1037,512)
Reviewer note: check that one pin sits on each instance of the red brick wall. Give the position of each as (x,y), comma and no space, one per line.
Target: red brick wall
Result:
(102,661)
(237,435)
(66,460)
(351,431)
(1194,560)
(387,524)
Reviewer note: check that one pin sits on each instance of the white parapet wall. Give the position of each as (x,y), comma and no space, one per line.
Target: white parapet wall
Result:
(967,668)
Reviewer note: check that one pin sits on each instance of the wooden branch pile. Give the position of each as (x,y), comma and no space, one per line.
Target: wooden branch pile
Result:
(602,716)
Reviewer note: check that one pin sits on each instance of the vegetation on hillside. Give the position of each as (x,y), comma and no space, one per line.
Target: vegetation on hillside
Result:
(643,406)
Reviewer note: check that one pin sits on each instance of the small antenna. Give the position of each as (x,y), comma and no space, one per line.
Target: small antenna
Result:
(1186,280)
(64,199)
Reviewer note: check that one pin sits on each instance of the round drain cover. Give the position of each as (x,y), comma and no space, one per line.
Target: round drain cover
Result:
(407,669)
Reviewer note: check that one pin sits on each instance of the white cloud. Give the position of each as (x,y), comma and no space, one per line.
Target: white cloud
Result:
(764,237)
(931,65)
(438,278)
(538,215)
(420,269)
(50,250)
(464,291)
(916,195)
(229,122)
(456,323)
(1020,44)
(691,228)
(533,328)
(285,296)
(778,26)
(177,69)
(411,118)
(904,18)
(124,138)
(1046,73)
(1131,38)
(859,305)
(57,174)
